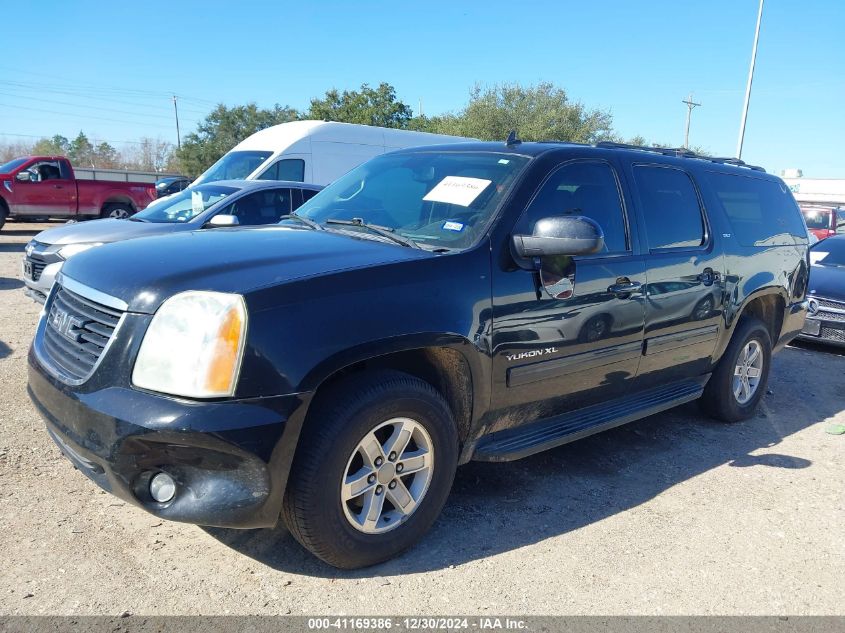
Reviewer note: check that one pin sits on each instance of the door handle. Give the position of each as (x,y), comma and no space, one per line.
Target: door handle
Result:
(58,187)
(624,288)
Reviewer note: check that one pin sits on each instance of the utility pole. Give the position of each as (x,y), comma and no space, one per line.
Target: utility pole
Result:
(178,136)
(748,86)
(690,105)
(421,110)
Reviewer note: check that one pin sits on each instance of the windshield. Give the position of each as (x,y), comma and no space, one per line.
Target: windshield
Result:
(12,165)
(439,199)
(817,218)
(185,205)
(234,166)
(829,252)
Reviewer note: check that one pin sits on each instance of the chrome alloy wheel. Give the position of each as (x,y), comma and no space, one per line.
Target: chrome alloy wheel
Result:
(387,476)
(749,368)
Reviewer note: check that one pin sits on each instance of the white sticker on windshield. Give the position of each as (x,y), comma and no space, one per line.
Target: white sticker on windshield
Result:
(817,256)
(457,190)
(196,202)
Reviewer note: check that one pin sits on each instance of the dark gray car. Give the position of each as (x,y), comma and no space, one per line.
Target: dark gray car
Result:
(217,204)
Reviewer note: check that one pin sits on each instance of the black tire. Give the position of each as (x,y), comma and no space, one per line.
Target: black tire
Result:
(117,210)
(719,400)
(3,215)
(313,509)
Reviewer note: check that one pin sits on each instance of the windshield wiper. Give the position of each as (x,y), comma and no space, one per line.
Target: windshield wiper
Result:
(379,230)
(306,221)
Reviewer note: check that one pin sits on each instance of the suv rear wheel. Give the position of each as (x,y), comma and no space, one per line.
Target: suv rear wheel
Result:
(373,469)
(739,381)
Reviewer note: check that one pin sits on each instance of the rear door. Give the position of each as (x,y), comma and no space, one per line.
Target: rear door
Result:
(683,296)
(577,342)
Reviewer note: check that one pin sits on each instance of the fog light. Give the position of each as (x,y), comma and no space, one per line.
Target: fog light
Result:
(162,487)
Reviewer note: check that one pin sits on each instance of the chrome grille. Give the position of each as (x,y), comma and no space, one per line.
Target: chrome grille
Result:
(827,303)
(37,267)
(77,331)
(832,334)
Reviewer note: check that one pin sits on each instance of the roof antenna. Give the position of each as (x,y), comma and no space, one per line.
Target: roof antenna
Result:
(512,139)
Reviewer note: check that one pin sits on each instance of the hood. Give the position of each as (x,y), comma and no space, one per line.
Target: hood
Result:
(107,230)
(828,282)
(145,272)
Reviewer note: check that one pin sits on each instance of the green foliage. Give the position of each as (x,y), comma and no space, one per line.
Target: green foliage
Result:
(223,129)
(367,106)
(57,145)
(541,112)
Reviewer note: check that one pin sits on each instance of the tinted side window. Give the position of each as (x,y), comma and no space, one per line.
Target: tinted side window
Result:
(761,212)
(292,169)
(670,207)
(581,188)
(261,207)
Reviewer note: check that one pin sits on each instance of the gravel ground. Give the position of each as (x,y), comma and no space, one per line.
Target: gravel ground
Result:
(675,514)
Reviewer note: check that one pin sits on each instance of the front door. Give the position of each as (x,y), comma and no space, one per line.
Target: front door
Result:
(571,334)
(48,192)
(683,296)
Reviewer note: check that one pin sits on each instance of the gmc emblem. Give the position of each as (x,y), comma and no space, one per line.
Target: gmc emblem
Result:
(66,325)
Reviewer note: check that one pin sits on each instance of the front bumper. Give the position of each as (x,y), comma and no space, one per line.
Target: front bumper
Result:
(230,459)
(38,286)
(823,331)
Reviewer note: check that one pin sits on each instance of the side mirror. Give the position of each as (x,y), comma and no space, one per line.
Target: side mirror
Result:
(220,221)
(565,235)
(24,176)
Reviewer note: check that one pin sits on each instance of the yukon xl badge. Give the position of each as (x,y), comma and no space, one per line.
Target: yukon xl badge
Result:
(534,353)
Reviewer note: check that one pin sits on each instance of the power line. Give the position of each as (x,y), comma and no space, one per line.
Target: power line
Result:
(83,117)
(101,140)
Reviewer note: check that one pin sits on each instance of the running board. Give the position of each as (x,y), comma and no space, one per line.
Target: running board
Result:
(504,446)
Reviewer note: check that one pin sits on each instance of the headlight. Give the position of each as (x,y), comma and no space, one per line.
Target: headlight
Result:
(74,249)
(194,345)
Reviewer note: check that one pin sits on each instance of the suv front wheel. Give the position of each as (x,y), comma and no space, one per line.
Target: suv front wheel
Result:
(739,381)
(373,470)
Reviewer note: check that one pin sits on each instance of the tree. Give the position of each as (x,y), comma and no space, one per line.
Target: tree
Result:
(367,106)
(224,128)
(57,145)
(541,112)
(151,154)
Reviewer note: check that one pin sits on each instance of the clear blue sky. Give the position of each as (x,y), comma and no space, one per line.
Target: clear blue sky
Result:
(108,68)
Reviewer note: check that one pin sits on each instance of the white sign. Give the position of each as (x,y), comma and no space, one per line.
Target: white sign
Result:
(196,202)
(457,190)
(817,256)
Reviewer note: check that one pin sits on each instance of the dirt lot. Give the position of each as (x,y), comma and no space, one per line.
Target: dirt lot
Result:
(672,515)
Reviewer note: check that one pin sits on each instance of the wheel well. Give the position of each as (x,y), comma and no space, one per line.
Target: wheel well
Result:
(443,368)
(769,309)
(118,200)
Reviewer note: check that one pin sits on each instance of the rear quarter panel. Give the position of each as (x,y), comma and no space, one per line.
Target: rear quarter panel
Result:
(92,195)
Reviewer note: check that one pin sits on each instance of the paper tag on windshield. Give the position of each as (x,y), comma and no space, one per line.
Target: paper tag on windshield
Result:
(196,202)
(457,190)
(817,256)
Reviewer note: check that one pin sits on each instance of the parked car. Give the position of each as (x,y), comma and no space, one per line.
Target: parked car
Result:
(225,203)
(826,319)
(313,151)
(171,184)
(46,187)
(422,311)
(824,221)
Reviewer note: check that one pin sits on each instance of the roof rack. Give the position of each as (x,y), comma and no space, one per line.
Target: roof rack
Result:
(680,152)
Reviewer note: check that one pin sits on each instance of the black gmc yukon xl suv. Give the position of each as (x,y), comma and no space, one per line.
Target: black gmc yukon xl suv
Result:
(436,305)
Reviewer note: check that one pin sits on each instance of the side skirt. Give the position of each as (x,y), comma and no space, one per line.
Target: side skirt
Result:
(512,444)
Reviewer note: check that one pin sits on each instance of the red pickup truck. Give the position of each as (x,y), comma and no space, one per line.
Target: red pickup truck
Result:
(46,187)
